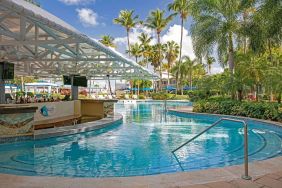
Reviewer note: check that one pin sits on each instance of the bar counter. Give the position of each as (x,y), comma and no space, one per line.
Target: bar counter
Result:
(22,119)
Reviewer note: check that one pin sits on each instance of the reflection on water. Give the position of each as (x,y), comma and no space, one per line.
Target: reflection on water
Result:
(141,145)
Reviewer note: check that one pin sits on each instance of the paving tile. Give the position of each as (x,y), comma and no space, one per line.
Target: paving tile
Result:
(274,176)
(269,182)
(245,183)
(192,186)
(278,173)
(220,184)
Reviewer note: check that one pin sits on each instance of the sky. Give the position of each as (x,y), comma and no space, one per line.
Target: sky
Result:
(95,18)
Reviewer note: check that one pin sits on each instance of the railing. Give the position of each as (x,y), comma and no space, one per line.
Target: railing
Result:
(246,164)
(165,106)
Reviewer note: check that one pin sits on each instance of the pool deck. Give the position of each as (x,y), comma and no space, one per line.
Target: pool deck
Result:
(267,173)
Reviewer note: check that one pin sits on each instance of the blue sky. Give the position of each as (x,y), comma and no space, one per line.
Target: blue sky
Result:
(95,18)
(105,10)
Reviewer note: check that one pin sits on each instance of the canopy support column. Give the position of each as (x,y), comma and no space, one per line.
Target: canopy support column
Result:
(74,90)
(2,87)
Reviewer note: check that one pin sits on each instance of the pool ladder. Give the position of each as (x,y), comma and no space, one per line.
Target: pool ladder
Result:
(246,164)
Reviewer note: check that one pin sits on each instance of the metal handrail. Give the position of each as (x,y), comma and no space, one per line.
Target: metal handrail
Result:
(246,165)
(165,105)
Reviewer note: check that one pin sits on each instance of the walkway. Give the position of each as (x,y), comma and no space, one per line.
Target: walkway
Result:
(273,180)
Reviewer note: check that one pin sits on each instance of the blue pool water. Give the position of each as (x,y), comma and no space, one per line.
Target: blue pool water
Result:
(142,145)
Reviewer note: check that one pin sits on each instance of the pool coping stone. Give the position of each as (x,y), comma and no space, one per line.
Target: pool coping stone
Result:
(78,128)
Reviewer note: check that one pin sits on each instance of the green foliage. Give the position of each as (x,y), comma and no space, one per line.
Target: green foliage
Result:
(168,96)
(178,97)
(142,84)
(260,110)
(30,94)
(141,97)
(20,94)
(108,40)
(160,96)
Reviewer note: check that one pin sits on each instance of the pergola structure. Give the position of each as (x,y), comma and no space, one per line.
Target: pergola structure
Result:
(40,44)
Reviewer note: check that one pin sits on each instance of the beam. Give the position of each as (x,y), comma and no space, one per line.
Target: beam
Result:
(61,60)
(38,42)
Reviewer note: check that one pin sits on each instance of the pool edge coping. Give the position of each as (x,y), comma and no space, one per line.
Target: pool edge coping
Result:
(78,128)
(186,111)
(229,173)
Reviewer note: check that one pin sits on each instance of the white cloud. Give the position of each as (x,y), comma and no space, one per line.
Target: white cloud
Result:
(173,34)
(87,17)
(121,42)
(76,2)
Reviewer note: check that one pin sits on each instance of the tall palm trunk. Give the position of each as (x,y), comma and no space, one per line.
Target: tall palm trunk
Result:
(231,62)
(138,88)
(191,82)
(180,51)
(168,70)
(136,60)
(257,91)
(177,83)
(128,43)
(159,61)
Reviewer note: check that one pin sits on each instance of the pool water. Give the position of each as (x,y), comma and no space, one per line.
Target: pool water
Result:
(142,145)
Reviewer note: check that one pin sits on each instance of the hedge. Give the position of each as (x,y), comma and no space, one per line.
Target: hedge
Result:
(260,110)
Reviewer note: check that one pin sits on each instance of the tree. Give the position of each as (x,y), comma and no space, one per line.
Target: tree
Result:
(145,40)
(171,49)
(135,51)
(128,21)
(210,61)
(107,40)
(217,25)
(181,7)
(158,22)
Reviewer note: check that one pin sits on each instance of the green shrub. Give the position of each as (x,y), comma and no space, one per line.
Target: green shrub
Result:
(30,94)
(20,93)
(141,97)
(178,97)
(160,96)
(260,110)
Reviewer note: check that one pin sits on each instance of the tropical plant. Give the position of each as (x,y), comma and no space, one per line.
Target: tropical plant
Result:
(181,7)
(135,51)
(145,40)
(217,24)
(158,22)
(210,61)
(107,40)
(128,21)
(171,50)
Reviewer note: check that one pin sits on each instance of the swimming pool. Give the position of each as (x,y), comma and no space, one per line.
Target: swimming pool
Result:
(142,145)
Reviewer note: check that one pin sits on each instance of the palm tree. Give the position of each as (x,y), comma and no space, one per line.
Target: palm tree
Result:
(135,50)
(180,7)
(210,61)
(216,25)
(145,40)
(128,21)
(171,49)
(157,21)
(107,40)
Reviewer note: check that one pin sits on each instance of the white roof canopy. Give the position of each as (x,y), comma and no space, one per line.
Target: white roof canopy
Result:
(40,44)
